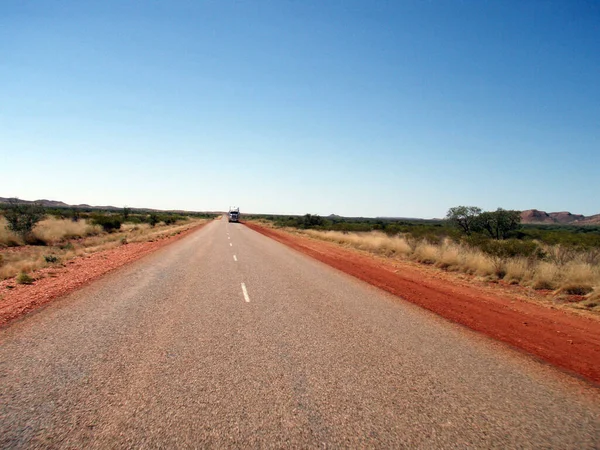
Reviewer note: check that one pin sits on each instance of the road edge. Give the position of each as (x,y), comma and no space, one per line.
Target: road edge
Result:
(25,299)
(569,342)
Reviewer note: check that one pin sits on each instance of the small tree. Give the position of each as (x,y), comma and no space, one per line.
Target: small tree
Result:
(312,220)
(153,219)
(464,217)
(75,215)
(498,224)
(126,212)
(23,217)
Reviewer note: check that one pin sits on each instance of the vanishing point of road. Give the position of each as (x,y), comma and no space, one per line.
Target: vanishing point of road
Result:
(227,339)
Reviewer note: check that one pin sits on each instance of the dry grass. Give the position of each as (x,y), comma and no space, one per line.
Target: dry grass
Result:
(374,242)
(7,238)
(517,270)
(566,272)
(426,253)
(52,231)
(67,240)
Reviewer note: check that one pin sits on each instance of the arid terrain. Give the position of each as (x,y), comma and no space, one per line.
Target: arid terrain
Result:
(227,338)
(56,280)
(522,318)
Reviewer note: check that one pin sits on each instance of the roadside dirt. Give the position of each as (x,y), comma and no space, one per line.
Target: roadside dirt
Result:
(562,338)
(16,300)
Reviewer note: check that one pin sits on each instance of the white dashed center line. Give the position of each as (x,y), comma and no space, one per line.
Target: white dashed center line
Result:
(234,258)
(230,244)
(245,292)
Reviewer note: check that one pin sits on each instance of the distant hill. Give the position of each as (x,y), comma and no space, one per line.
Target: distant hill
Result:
(535,216)
(58,204)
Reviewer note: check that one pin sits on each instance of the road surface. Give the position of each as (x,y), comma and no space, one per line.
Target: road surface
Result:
(229,339)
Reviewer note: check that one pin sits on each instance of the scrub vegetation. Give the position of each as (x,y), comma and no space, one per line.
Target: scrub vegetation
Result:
(32,238)
(494,245)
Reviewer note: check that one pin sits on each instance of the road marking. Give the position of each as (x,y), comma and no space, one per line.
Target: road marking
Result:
(245,292)
(230,244)
(228,237)
(234,258)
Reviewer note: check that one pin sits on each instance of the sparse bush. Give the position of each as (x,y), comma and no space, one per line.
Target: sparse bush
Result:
(576,289)
(67,246)
(109,223)
(23,278)
(153,219)
(510,248)
(22,217)
(51,259)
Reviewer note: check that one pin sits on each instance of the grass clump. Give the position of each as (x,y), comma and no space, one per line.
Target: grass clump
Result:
(51,259)
(24,278)
(52,231)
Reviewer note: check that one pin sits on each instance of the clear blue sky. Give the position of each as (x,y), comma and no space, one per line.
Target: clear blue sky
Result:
(370,108)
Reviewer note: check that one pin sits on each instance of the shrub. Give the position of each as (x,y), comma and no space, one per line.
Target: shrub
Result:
(23,217)
(576,289)
(153,219)
(67,246)
(23,278)
(510,248)
(51,258)
(108,223)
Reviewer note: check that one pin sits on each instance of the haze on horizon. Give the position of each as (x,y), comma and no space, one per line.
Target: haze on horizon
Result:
(357,108)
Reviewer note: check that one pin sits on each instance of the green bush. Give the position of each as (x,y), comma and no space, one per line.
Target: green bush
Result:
(51,258)
(21,217)
(108,223)
(509,248)
(23,278)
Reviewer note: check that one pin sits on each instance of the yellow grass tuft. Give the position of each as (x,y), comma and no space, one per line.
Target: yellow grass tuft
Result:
(426,253)
(52,231)
(450,256)
(517,270)
(546,276)
(8,238)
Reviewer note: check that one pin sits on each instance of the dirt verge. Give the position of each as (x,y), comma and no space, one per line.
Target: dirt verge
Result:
(17,300)
(563,339)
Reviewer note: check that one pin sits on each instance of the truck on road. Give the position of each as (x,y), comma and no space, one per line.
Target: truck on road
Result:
(234,214)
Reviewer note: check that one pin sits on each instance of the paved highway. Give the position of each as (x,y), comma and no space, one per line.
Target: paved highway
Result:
(229,339)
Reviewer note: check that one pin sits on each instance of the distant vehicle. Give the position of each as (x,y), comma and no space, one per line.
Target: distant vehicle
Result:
(234,214)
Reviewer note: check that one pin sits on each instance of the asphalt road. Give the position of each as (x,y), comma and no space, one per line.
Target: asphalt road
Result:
(229,339)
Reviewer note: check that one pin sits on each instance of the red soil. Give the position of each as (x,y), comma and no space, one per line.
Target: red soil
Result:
(563,339)
(17,300)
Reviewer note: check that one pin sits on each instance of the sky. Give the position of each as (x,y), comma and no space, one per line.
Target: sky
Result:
(357,108)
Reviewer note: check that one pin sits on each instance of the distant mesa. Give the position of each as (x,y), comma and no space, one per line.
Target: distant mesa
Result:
(536,216)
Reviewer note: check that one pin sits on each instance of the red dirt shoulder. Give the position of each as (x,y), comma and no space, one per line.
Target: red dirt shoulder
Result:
(566,340)
(17,300)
